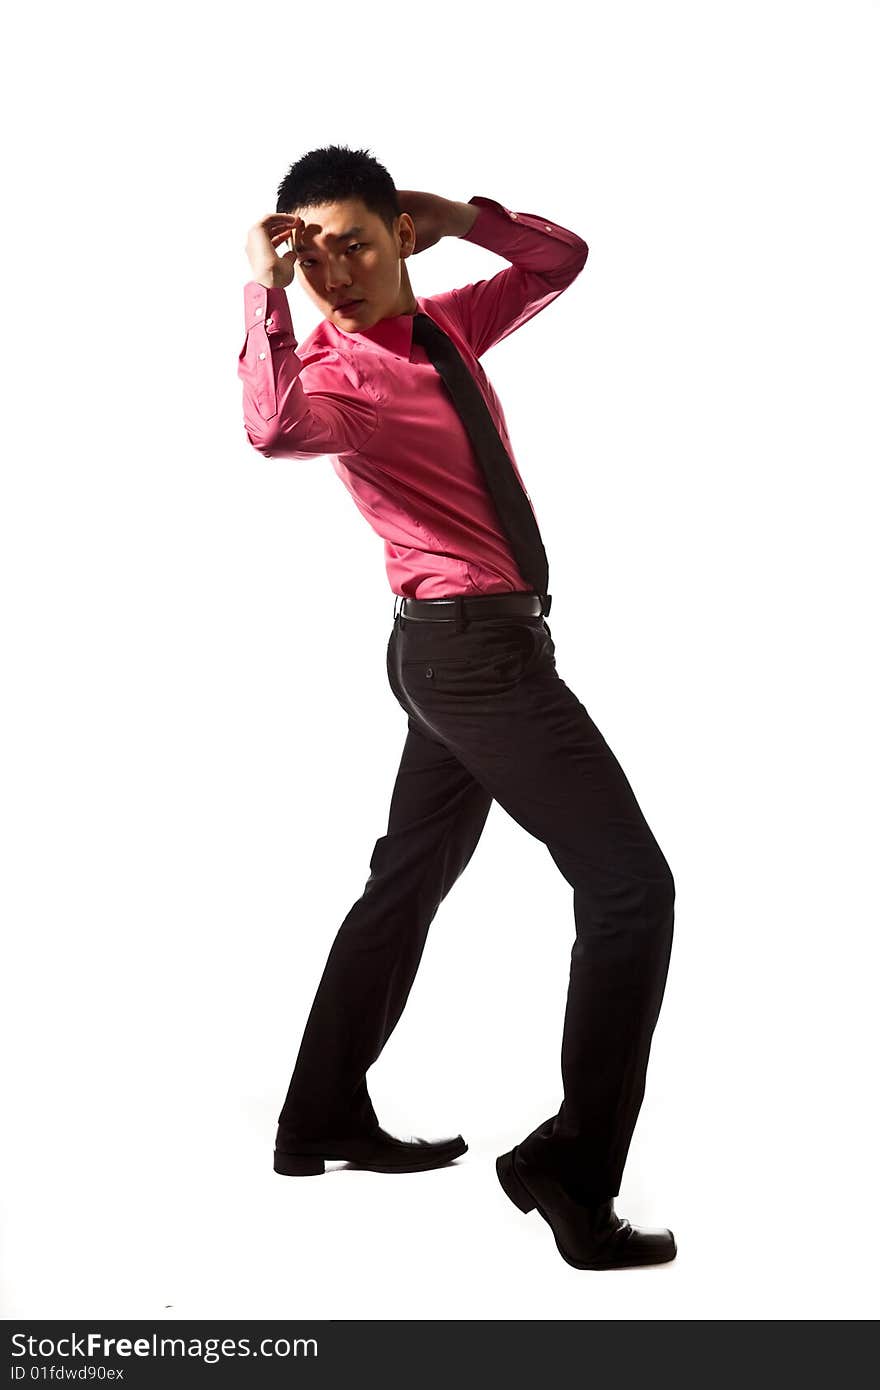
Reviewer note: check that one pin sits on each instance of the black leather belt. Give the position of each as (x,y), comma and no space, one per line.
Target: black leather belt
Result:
(469,606)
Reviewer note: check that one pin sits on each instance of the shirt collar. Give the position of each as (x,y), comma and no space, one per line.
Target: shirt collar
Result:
(393,333)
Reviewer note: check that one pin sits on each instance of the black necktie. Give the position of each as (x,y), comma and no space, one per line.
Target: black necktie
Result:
(505,489)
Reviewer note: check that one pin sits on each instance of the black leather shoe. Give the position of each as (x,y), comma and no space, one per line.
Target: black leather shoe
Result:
(380,1152)
(587,1237)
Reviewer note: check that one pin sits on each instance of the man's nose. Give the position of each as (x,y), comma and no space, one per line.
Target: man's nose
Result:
(337,277)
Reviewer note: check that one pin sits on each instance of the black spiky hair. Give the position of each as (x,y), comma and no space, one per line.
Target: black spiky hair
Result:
(332,174)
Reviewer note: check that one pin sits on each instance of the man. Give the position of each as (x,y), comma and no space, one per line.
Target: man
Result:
(390,387)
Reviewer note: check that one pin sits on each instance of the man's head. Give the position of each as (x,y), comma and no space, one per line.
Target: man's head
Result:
(356,239)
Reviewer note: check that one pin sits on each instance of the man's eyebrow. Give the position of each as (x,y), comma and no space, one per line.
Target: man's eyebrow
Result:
(352,231)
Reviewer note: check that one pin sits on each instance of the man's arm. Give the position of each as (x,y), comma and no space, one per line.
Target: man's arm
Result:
(435,217)
(295,407)
(545,258)
(461,218)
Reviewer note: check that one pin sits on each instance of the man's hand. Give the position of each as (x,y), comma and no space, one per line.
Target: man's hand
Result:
(269,268)
(435,217)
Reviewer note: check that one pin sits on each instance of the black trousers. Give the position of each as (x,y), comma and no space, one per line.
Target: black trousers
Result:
(488,718)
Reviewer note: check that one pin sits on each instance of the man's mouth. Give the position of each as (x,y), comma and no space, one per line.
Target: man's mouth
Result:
(347,304)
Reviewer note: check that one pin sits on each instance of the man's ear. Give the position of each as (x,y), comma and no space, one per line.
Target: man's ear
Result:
(406,231)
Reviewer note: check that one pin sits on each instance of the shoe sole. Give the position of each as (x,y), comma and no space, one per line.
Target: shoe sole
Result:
(308,1166)
(522,1198)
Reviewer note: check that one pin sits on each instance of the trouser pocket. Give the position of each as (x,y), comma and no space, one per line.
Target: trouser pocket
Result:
(488,657)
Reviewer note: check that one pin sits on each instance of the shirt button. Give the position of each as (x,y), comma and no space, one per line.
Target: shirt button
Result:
(268,323)
(513,214)
(429,670)
(258,311)
(547,228)
(262,355)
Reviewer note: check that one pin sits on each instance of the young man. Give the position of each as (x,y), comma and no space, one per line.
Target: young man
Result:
(390,387)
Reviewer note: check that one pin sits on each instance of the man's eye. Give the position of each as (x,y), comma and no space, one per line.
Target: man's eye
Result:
(355,246)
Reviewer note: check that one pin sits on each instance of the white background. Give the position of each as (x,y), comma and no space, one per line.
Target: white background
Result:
(199,743)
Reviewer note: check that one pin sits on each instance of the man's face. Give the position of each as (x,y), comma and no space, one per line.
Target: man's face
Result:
(348,253)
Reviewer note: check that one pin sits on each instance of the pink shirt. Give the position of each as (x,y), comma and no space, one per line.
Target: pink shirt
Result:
(373,402)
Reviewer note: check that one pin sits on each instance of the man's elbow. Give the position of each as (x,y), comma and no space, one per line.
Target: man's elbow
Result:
(263,438)
(275,443)
(573,267)
(562,274)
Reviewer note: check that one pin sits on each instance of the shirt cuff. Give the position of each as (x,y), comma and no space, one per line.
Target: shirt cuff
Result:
(495,225)
(267,308)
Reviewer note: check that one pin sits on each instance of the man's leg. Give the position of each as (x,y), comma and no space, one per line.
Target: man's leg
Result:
(436,818)
(492,694)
